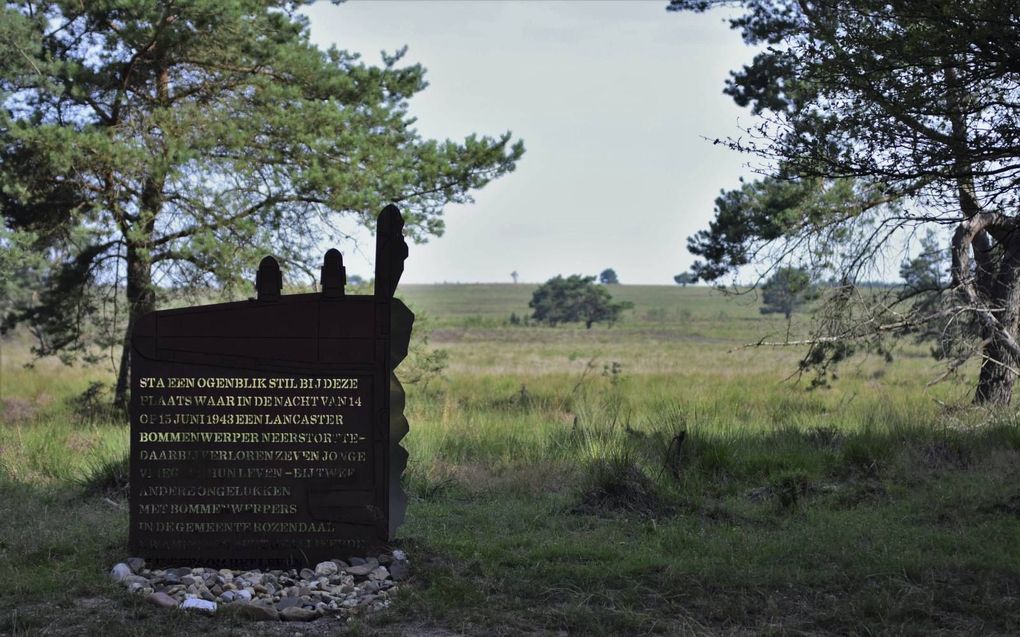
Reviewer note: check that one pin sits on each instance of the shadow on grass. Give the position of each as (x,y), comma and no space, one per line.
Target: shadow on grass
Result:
(787,465)
(895,530)
(876,530)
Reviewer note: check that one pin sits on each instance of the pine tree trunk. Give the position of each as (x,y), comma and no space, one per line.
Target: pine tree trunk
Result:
(995,384)
(141,297)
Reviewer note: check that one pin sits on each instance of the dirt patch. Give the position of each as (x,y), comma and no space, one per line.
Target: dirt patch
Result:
(17,410)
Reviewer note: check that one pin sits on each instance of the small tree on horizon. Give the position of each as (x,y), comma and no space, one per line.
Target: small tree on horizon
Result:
(608,277)
(926,284)
(927,272)
(685,278)
(575,299)
(786,290)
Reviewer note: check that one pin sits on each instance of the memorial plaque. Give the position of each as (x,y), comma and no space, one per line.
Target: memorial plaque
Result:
(266,432)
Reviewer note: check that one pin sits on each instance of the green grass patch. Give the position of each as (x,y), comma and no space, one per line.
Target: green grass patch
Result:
(655,477)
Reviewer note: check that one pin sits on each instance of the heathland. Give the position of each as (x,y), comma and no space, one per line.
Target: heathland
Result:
(654,476)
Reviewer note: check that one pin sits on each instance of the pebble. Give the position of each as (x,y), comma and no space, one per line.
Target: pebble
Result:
(255,612)
(367,599)
(362,569)
(288,602)
(199,606)
(399,571)
(136,564)
(295,614)
(162,600)
(336,587)
(120,571)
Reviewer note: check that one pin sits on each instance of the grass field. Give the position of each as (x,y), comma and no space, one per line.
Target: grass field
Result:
(654,477)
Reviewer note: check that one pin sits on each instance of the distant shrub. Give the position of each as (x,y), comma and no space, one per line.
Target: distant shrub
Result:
(609,277)
(575,299)
(518,320)
(685,278)
(787,289)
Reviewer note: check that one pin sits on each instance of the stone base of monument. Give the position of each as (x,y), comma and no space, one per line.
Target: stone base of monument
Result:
(335,588)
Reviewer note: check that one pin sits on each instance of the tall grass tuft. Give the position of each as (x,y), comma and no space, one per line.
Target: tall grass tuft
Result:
(608,454)
(106,477)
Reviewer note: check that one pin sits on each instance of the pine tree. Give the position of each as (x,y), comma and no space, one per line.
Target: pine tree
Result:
(155,146)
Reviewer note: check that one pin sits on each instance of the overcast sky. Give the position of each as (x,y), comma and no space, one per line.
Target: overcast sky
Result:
(613,100)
